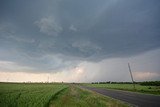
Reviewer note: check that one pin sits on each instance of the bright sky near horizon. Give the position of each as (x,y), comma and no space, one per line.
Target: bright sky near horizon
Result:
(79,40)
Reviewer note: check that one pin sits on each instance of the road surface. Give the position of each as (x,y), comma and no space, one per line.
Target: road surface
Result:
(136,99)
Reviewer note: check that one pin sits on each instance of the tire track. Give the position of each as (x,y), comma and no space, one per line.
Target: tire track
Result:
(55,96)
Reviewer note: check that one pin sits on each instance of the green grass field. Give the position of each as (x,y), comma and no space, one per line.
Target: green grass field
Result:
(28,95)
(77,97)
(129,87)
(52,95)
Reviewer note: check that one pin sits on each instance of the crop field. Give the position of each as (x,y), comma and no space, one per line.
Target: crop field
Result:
(52,95)
(129,87)
(28,95)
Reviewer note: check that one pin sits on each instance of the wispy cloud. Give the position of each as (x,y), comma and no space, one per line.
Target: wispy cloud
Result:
(7,29)
(12,66)
(73,28)
(9,32)
(86,47)
(49,26)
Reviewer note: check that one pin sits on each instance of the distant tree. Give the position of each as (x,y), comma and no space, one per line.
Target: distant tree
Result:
(150,83)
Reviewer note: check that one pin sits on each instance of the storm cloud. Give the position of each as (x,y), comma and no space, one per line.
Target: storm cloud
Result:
(56,35)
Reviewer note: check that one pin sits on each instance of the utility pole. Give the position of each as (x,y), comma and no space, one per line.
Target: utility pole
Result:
(131,76)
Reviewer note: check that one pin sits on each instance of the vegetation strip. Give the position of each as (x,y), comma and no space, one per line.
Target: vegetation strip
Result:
(55,96)
(77,97)
(128,87)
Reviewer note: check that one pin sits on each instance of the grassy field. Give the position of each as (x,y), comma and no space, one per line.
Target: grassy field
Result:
(52,95)
(28,95)
(129,87)
(77,97)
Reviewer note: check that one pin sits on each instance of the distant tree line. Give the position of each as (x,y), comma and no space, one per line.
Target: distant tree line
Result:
(111,82)
(145,83)
(150,83)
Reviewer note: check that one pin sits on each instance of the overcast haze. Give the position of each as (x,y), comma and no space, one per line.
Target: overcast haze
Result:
(79,40)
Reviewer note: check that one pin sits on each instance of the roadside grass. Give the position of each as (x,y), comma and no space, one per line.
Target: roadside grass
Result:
(74,96)
(28,95)
(128,87)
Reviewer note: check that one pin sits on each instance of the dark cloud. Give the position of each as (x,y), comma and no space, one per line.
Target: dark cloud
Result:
(51,35)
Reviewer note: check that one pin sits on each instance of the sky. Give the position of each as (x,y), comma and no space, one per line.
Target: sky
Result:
(79,40)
